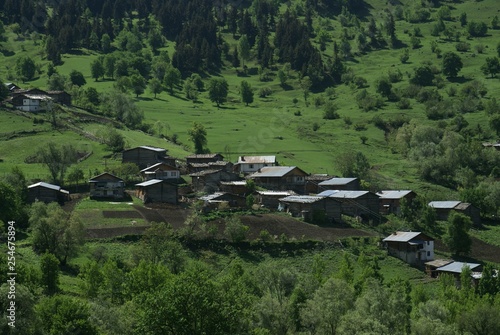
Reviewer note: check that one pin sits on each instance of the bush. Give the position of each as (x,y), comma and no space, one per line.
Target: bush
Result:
(315,126)
(319,101)
(368,102)
(415,42)
(428,94)
(360,126)
(330,93)
(235,230)
(395,76)
(462,46)
(423,76)
(265,92)
(404,103)
(330,112)
(411,91)
(404,56)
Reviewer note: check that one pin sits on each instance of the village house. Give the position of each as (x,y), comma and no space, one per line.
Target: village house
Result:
(221,200)
(208,181)
(235,187)
(144,156)
(204,158)
(251,164)
(364,204)
(455,269)
(432,266)
(219,165)
(280,178)
(312,208)
(414,248)
(444,208)
(312,183)
(107,186)
(46,192)
(390,200)
(342,184)
(156,190)
(30,102)
(161,171)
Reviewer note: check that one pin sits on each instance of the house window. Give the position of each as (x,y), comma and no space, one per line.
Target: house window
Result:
(115,192)
(251,166)
(428,243)
(428,254)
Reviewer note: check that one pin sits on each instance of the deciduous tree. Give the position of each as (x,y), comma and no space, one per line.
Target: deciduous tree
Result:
(452,64)
(218,90)
(57,159)
(457,233)
(198,135)
(491,67)
(246,92)
(97,69)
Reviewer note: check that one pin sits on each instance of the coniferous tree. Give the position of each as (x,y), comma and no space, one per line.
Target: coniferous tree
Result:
(246,92)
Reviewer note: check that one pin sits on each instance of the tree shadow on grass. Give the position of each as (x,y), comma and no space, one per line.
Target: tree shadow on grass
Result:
(458,80)
(226,107)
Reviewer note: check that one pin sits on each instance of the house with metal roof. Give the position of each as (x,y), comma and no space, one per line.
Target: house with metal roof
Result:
(30,102)
(455,269)
(414,248)
(106,186)
(390,200)
(157,190)
(144,156)
(270,199)
(444,208)
(314,209)
(312,182)
(208,181)
(251,164)
(46,192)
(280,178)
(235,187)
(204,158)
(161,171)
(343,184)
(364,204)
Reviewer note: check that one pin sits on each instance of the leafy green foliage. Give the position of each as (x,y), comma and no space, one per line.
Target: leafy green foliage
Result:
(457,233)
(198,135)
(452,64)
(217,90)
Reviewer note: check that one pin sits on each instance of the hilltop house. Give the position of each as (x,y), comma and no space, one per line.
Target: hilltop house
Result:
(356,203)
(280,178)
(144,156)
(106,185)
(341,184)
(312,208)
(412,247)
(46,192)
(161,171)
(444,208)
(390,201)
(156,190)
(251,164)
(30,102)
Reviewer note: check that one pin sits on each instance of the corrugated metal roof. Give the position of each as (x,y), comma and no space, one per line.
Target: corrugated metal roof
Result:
(257,160)
(302,198)
(103,174)
(439,262)
(157,165)
(146,147)
(337,181)
(203,156)
(391,194)
(456,267)
(235,183)
(46,185)
(402,236)
(277,193)
(272,171)
(149,183)
(212,196)
(444,204)
(342,194)
(37,96)
(462,206)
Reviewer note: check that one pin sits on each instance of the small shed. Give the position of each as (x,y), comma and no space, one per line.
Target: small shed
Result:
(432,266)
(341,184)
(271,199)
(46,192)
(414,248)
(157,190)
(444,208)
(390,200)
(215,199)
(107,186)
(312,208)
(235,187)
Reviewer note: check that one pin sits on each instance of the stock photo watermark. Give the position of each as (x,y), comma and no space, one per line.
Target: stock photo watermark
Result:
(11,274)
